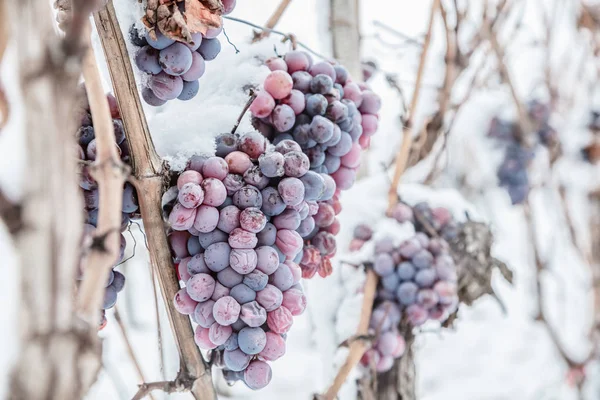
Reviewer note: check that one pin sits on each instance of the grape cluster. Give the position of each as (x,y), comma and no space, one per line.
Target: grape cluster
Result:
(237,226)
(332,118)
(86,149)
(175,67)
(417,279)
(512,173)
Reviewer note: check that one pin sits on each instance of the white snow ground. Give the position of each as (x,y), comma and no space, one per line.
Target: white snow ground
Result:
(490,355)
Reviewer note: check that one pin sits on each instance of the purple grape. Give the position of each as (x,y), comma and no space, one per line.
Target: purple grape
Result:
(248,196)
(241,239)
(254,177)
(203,314)
(161,41)
(226,143)
(283,117)
(288,219)
(267,236)
(291,191)
(190,195)
(110,298)
(270,298)
(282,137)
(425,277)
(282,278)
(252,220)
(287,146)
(253,314)
(190,90)
(427,298)
(296,164)
(410,247)
(341,74)
(197,39)
(256,280)
(330,187)
(229,277)
(200,287)
(335,138)
(342,147)
(257,375)
(166,87)
(218,334)
(226,310)
(252,340)
(316,104)
(332,163)
(384,264)
(406,271)
(229,218)
(243,261)
(206,220)
(407,293)
(232,342)
(301,135)
(323,68)
(302,80)
(267,259)
(423,259)
(151,99)
(85,135)
(314,186)
(416,314)
(233,183)
(271,164)
(236,360)
(337,111)
(390,282)
(242,294)
(208,239)
(146,59)
(135,37)
(321,129)
(194,246)
(272,203)
(321,84)
(210,48)
(220,291)
(316,155)
(216,256)
(306,227)
(176,59)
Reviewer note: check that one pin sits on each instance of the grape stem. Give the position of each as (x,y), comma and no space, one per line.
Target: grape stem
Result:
(407,137)
(286,36)
(150,178)
(244,110)
(272,21)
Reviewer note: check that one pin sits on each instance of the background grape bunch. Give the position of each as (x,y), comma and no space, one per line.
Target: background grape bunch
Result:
(512,173)
(332,118)
(86,149)
(417,279)
(236,221)
(174,67)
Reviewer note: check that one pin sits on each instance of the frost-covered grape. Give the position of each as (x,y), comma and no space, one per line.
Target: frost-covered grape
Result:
(316,104)
(384,264)
(189,176)
(352,158)
(253,314)
(229,277)
(212,33)
(252,340)
(289,219)
(207,218)
(407,293)
(161,41)
(215,167)
(197,265)
(218,334)
(371,103)
(181,218)
(256,280)
(190,195)
(417,315)
(225,144)
(406,271)
(220,291)
(229,218)
(263,105)
(321,84)
(291,191)
(226,310)
(257,375)
(203,314)
(152,99)
(233,183)
(427,298)
(286,146)
(335,138)
(202,340)
(353,92)
(323,68)
(207,239)
(217,256)
(280,320)
(184,303)
(189,91)
(182,270)
(178,244)
(146,59)
(282,278)
(214,192)
(254,177)
(271,164)
(252,220)
(325,243)
(279,84)
(267,236)
(289,242)
(242,294)
(302,81)
(283,117)
(390,282)
(425,277)
(252,143)
(296,164)
(210,48)
(295,301)
(232,342)
(193,245)
(196,69)
(410,247)
(270,298)
(363,232)
(325,216)
(267,259)
(446,292)
(200,287)
(236,360)
(296,61)
(166,87)
(272,202)
(242,239)
(306,227)
(321,129)
(238,162)
(423,259)
(248,196)
(296,101)
(243,261)
(274,349)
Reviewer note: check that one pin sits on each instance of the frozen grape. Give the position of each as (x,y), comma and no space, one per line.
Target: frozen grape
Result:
(253,144)
(316,105)
(427,298)
(321,84)
(410,247)
(295,301)
(253,314)
(283,117)
(229,277)
(371,103)
(190,90)
(289,242)
(296,101)
(236,360)
(226,310)
(291,191)
(384,264)
(220,291)
(181,218)
(267,259)
(296,61)
(210,48)
(422,259)
(276,64)
(243,261)
(232,342)
(229,218)
(325,243)
(325,216)
(263,105)
(406,271)
(202,340)
(196,69)
(184,303)
(257,375)
(254,177)
(306,227)
(282,278)
(189,177)
(316,155)
(267,236)
(214,192)
(271,164)
(279,84)
(288,219)
(182,270)
(197,265)
(296,164)
(207,218)
(218,334)
(161,41)
(178,244)
(238,162)
(323,68)
(191,195)
(272,202)
(241,239)
(233,183)
(216,236)
(146,59)
(217,256)
(425,277)
(270,297)
(252,340)
(248,196)
(165,86)
(286,146)
(256,280)
(225,143)
(390,282)
(242,294)
(215,167)
(252,220)
(200,287)
(274,348)
(407,293)
(280,320)
(301,81)
(416,314)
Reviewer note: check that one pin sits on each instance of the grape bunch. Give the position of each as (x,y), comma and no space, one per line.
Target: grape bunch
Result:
(86,149)
(174,67)
(237,226)
(332,118)
(512,173)
(417,279)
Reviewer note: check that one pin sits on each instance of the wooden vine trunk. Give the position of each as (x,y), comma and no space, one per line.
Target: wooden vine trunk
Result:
(400,382)
(345,34)
(60,354)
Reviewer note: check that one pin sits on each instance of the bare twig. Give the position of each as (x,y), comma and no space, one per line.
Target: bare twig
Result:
(272,21)
(357,347)
(407,137)
(151,177)
(129,347)
(244,110)
(164,386)
(403,36)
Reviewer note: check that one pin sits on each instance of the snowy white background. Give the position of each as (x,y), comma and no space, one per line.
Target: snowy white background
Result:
(489,355)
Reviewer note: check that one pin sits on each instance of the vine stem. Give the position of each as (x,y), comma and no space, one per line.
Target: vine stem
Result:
(272,21)
(150,178)
(357,347)
(407,137)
